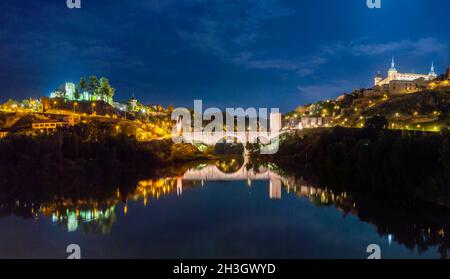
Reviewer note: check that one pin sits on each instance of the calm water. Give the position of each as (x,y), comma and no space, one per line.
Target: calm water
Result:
(207,213)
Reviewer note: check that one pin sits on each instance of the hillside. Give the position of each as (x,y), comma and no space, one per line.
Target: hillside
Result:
(426,110)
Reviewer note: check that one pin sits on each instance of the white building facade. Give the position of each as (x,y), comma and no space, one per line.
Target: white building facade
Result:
(399,83)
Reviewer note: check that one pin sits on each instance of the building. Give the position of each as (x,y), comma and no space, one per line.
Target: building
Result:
(312,122)
(53,124)
(406,87)
(402,83)
(48,125)
(71,120)
(70,93)
(133,102)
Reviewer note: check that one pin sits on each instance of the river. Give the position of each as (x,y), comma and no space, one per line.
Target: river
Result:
(221,211)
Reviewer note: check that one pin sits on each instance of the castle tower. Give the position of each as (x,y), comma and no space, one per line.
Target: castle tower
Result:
(70,91)
(392,73)
(432,74)
(132,102)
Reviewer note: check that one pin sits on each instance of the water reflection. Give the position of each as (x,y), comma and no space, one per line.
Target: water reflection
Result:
(410,223)
(100,213)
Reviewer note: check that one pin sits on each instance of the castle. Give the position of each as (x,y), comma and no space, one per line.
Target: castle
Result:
(69,93)
(402,83)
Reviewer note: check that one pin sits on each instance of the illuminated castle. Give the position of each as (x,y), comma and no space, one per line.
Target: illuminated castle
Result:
(69,93)
(394,75)
(400,83)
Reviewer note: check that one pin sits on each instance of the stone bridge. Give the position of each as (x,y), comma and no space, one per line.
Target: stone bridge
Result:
(212,138)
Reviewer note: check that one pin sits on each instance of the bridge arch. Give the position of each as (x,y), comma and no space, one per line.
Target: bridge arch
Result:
(211,138)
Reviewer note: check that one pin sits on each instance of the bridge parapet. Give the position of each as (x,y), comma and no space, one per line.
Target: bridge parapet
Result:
(211,138)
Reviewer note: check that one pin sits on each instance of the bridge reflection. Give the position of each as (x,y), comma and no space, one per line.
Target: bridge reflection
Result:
(98,214)
(213,173)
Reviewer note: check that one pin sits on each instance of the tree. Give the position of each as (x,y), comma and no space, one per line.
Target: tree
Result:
(25,103)
(377,123)
(83,84)
(105,89)
(62,91)
(93,85)
(77,93)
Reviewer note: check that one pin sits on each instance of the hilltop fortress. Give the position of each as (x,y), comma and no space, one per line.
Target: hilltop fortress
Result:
(402,83)
(420,99)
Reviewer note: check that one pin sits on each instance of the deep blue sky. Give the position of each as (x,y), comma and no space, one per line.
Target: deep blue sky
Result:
(273,53)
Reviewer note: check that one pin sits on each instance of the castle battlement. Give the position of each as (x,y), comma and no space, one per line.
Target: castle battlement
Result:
(400,83)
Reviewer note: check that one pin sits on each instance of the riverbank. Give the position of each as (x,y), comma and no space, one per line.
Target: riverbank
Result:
(84,163)
(408,164)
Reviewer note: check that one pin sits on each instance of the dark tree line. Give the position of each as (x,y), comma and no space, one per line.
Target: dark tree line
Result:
(412,164)
(83,151)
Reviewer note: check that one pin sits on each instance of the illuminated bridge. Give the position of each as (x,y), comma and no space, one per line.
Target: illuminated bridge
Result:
(211,138)
(269,140)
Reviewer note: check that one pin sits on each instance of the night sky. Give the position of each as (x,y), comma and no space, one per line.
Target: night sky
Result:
(229,53)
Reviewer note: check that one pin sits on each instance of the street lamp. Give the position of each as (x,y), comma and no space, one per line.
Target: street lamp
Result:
(92,107)
(74,106)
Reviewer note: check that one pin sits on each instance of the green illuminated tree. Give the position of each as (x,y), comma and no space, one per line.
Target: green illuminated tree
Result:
(105,88)
(77,93)
(83,84)
(93,85)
